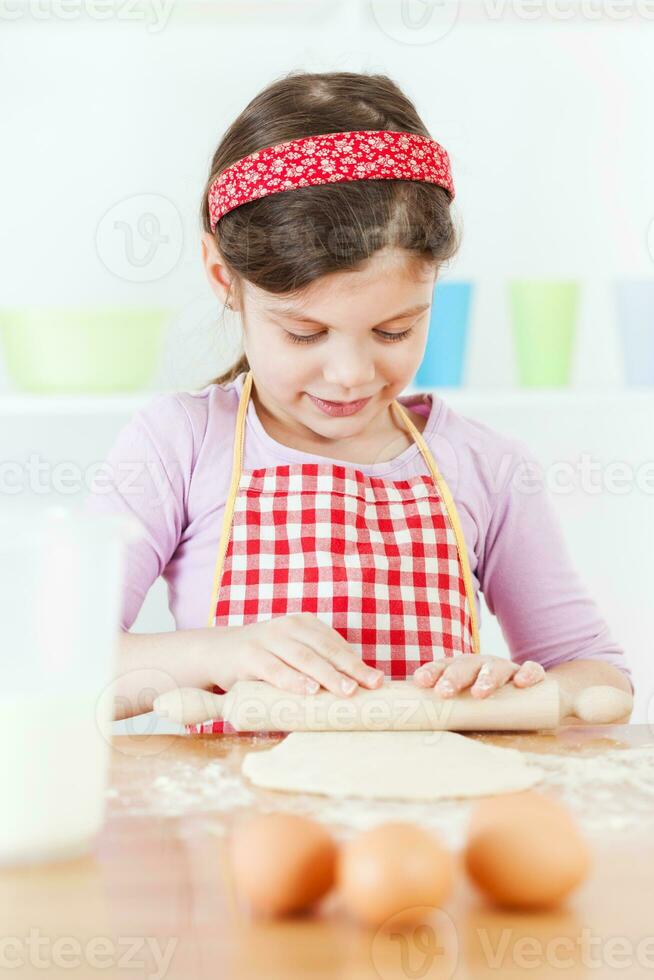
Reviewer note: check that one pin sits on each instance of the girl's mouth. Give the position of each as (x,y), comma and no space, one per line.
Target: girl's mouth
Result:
(339,408)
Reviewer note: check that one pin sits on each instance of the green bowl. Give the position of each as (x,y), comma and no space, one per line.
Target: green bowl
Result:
(82,350)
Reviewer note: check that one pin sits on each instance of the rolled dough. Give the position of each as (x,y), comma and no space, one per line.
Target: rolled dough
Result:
(390,766)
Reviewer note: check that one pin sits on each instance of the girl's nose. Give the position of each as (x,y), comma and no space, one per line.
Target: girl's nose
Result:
(349,372)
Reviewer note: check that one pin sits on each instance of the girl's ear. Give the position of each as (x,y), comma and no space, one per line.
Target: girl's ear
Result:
(214,267)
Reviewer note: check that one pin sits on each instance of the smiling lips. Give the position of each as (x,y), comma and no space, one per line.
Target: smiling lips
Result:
(339,408)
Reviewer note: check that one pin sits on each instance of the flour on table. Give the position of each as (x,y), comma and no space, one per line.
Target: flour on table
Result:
(186,788)
(609,792)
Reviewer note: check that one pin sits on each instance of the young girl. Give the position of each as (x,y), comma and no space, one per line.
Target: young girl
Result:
(314,528)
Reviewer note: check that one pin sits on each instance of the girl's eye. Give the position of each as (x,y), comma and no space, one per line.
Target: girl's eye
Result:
(392,337)
(386,335)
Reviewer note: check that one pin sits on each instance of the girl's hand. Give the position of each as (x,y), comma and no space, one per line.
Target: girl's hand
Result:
(297,653)
(482,675)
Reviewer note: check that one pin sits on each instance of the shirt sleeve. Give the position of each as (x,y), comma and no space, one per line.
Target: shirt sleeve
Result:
(145,476)
(530,583)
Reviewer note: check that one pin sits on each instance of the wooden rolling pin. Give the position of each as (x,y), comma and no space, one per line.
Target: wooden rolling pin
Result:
(256,706)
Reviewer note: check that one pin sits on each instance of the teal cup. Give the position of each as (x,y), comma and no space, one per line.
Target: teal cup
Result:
(635,320)
(443,363)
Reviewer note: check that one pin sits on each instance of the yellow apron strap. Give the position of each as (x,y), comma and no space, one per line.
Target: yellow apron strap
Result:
(453,518)
(237,466)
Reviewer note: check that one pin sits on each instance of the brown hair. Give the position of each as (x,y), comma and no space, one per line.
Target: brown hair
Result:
(284,242)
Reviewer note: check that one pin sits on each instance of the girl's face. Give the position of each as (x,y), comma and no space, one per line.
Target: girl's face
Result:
(353,336)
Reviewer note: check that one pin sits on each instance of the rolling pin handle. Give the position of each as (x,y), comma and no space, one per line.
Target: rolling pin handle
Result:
(597,705)
(189,705)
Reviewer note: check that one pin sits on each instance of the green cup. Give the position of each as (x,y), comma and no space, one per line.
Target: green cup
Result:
(93,350)
(544,319)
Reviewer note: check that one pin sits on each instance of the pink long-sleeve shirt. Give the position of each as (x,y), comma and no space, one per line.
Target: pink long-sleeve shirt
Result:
(170,468)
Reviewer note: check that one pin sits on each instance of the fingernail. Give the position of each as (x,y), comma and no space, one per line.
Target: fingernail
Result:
(445,687)
(311,687)
(348,687)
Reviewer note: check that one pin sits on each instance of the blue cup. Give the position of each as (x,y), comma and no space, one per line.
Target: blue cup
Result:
(444,358)
(635,306)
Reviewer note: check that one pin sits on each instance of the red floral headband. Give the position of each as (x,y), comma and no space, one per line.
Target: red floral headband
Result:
(326,159)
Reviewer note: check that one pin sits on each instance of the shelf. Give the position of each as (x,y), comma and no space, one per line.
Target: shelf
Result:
(18,403)
(535,396)
(119,404)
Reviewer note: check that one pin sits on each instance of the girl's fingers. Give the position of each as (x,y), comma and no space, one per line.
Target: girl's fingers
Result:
(331,647)
(297,667)
(449,675)
(428,674)
(314,667)
(491,675)
(268,667)
(530,672)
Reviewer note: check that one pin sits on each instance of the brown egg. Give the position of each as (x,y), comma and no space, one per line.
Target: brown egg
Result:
(282,863)
(524,851)
(392,871)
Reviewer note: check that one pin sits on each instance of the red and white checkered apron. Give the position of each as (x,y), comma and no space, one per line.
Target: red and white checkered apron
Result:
(384,563)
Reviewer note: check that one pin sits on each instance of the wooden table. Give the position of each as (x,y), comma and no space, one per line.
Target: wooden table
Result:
(154,900)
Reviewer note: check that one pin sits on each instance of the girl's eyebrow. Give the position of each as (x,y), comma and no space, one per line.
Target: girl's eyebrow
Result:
(293,314)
